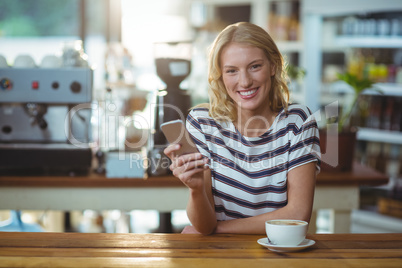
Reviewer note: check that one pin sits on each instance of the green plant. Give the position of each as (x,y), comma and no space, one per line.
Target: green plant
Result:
(295,72)
(358,85)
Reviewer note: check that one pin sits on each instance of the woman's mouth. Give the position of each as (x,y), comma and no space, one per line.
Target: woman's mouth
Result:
(246,94)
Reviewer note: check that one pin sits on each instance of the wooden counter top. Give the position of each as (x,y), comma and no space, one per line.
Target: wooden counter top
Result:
(177,250)
(360,175)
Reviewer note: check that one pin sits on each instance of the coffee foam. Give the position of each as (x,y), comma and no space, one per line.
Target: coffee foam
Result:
(290,222)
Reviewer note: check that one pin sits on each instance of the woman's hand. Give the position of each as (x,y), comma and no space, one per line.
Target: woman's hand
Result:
(192,171)
(188,168)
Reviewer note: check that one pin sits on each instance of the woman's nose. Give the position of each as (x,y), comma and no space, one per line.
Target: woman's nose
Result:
(245,80)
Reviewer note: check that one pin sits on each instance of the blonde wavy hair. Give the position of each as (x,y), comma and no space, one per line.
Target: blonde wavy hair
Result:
(221,106)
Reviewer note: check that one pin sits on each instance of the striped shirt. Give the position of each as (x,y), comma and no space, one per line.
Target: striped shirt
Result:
(249,174)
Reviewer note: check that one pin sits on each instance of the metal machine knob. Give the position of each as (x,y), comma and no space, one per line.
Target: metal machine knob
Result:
(75,87)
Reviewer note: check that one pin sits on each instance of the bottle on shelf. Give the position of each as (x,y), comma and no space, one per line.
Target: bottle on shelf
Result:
(380,112)
(375,64)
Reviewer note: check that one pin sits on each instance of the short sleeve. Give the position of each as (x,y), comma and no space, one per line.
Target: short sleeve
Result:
(196,132)
(304,141)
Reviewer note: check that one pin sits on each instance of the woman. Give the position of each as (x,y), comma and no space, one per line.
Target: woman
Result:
(261,154)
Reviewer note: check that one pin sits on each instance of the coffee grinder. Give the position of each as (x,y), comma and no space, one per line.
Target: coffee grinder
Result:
(173,65)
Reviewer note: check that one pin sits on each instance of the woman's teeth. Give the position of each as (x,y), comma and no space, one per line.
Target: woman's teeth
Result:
(246,93)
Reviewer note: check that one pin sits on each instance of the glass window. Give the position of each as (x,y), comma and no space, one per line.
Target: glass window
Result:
(37,27)
(39,18)
(41,27)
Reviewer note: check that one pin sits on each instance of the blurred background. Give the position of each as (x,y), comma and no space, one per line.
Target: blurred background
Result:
(120,42)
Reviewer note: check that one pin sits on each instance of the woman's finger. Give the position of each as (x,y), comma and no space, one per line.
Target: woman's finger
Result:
(194,164)
(169,151)
(186,174)
(180,160)
(191,179)
(188,161)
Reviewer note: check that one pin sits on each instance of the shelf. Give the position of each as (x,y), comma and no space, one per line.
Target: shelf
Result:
(227,2)
(290,46)
(369,41)
(378,135)
(330,8)
(387,89)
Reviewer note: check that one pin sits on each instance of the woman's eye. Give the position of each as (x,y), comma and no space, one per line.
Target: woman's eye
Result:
(229,71)
(255,66)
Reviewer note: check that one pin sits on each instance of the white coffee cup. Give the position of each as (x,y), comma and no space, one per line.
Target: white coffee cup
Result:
(3,62)
(24,61)
(51,61)
(286,232)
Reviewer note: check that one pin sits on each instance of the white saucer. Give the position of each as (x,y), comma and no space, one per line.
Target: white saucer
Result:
(304,244)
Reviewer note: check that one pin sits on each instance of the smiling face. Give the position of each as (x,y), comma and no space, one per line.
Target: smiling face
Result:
(246,74)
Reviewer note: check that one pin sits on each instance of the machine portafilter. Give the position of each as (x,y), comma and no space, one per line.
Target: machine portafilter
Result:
(37,111)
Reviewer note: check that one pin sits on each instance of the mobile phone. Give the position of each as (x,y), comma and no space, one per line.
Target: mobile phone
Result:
(175,132)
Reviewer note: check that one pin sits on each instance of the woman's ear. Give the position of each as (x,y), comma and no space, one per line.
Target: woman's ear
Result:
(273,69)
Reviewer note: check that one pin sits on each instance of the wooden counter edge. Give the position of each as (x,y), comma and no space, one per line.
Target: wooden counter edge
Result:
(360,175)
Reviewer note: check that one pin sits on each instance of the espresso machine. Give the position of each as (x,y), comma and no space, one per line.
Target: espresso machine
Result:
(45,123)
(173,65)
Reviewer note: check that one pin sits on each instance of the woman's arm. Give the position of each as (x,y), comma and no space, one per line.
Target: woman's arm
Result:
(200,208)
(190,169)
(300,190)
